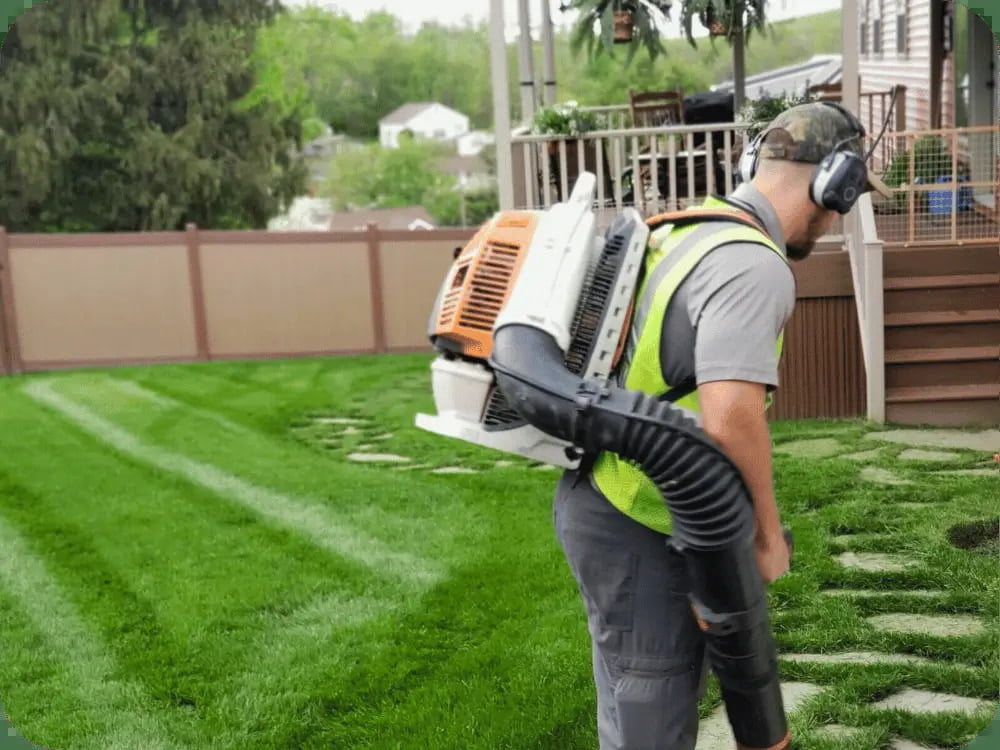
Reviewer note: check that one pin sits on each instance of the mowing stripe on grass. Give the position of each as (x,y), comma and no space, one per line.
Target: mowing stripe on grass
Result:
(117,702)
(304,516)
(131,388)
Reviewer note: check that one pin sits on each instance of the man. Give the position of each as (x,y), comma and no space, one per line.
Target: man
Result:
(720,327)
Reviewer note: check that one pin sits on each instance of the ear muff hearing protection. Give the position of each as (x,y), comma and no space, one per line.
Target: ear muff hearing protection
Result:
(839,179)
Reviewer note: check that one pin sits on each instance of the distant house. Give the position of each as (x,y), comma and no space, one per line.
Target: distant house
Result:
(318,152)
(471,171)
(473,143)
(409,218)
(791,79)
(428,120)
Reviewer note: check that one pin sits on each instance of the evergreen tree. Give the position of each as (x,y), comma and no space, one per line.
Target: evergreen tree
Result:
(142,115)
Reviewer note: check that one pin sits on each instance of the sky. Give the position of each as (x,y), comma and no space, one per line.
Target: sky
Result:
(414,12)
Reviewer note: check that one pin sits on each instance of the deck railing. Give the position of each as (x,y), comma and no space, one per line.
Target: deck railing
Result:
(945,186)
(650,169)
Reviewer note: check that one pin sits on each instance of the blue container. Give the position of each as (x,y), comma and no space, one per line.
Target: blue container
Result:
(939,201)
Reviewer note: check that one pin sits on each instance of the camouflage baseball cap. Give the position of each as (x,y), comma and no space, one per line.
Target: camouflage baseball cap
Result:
(810,132)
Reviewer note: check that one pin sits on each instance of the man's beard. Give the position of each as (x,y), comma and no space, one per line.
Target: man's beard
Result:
(801,250)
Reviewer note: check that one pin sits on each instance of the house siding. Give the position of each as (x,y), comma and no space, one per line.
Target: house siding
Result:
(911,68)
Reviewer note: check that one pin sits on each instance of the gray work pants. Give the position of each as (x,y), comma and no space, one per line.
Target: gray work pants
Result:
(648,652)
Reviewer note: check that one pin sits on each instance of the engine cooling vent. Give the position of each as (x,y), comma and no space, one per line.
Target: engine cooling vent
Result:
(499,415)
(489,285)
(594,301)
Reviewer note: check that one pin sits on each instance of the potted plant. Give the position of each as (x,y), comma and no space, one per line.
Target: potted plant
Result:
(604,23)
(723,17)
(570,122)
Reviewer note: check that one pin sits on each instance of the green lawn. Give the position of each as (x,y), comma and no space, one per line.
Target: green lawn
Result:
(189,560)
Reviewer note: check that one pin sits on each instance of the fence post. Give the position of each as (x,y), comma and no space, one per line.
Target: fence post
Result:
(375,283)
(197,292)
(10,356)
(900,108)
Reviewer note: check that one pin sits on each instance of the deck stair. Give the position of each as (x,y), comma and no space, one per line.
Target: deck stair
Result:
(942,335)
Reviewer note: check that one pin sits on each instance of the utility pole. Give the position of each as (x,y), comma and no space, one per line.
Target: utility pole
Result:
(527,62)
(549,46)
(501,106)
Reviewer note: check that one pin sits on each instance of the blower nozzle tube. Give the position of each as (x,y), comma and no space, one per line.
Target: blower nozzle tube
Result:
(704,493)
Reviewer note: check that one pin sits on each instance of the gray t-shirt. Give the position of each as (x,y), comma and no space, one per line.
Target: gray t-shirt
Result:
(724,319)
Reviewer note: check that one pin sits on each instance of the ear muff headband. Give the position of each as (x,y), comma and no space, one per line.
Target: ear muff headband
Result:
(838,180)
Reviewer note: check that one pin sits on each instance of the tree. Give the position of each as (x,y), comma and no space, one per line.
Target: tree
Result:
(143,115)
(377,177)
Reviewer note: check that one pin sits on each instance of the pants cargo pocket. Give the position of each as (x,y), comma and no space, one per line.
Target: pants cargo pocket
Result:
(607,579)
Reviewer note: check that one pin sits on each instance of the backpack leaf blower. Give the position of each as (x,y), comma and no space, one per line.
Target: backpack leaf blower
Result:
(529,324)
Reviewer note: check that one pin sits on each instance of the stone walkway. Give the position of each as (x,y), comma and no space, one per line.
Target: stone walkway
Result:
(922,450)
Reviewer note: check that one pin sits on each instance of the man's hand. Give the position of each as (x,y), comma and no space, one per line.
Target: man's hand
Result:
(773,557)
(733,415)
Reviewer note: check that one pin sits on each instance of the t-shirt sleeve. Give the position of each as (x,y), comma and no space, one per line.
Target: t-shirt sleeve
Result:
(740,299)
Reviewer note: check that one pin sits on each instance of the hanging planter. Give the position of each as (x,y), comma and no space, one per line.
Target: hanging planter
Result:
(723,18)
(624,26)
(602,25)
(714,25)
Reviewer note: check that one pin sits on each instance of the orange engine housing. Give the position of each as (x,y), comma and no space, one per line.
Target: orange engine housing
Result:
(480,282)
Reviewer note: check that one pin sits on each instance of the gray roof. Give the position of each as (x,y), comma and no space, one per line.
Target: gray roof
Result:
(792,79)
(404,114)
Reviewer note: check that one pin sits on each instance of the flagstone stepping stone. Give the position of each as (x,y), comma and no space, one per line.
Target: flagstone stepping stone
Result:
(971,472)
(365,447)
(873,592)
(503,464)
(412,467)
(839,731)
(350,431)
(715,732)
(337,420)
(545,467)
(985,440)
(815,448)
(864,455)
(882,476)
(454,470)
(378,458)
(927,702)
(386,436)
(942,625)
(899,744)
(858,657)
(876,561)
(917,454)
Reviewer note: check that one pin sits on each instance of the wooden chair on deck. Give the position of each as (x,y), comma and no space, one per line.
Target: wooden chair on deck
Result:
(653,109)
(828,92)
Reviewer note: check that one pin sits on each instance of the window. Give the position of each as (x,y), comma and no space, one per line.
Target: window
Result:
(877,28)
(863,31)
(901,32)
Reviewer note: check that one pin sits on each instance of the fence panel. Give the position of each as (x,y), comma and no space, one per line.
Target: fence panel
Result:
(114,299)
(413,265)
(286,294)
(101,299)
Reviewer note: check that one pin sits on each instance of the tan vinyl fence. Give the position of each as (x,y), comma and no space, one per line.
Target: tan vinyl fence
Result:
(113,299)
